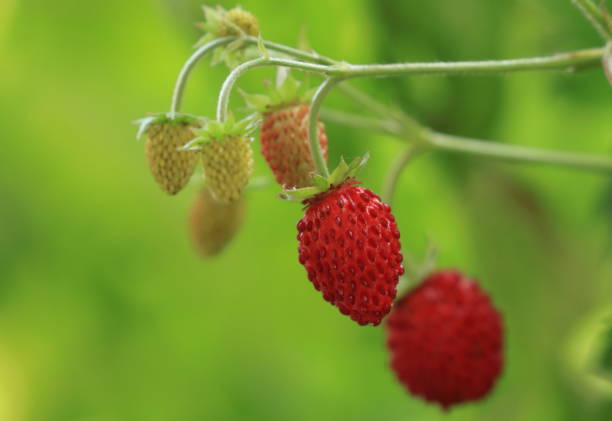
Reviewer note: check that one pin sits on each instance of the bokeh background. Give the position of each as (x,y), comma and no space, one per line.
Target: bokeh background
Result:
(107,314)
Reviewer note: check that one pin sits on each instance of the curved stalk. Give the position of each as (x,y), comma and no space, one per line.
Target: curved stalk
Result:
(181,81)
(390,185)
(313,119)
(230,81)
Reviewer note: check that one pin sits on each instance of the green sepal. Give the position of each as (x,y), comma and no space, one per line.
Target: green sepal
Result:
(299,195)
(289,92)
(320,184)
(215,130)
(166,118)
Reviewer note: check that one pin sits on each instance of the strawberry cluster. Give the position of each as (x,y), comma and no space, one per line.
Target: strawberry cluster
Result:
(445,336)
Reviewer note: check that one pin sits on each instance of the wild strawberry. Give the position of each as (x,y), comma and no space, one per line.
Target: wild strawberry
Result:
(171,167)
(227,157)
(284,133)
(285,146)
(213,224)
(349,245)
(446,340)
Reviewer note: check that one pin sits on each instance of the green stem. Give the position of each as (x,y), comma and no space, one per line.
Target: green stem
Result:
(181,81)
(396,169)
(595,15)
(570,61)
(313,120)
(518,153)
(230,81)
(385,126)
(326,66)
(474,146)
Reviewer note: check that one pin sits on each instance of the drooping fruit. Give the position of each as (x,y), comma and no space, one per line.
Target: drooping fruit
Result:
(213,224)
(285,146)
(284,132)
(227,157)
(171,166)
(446,340)
(349,244)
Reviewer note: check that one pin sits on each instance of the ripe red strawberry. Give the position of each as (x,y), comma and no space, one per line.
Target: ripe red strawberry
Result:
(284,145)
(349,245)
(446,340)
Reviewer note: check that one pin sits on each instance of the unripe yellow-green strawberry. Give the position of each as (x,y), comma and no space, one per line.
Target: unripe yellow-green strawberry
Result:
(227,157)
(212,224)
(171,166)
(219,22)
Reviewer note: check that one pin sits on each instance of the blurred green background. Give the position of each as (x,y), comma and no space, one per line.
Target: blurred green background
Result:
(107,314)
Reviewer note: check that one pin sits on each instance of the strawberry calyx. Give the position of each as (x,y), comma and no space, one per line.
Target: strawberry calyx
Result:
(215,130)
(342,175)
(166,118)
(289,93)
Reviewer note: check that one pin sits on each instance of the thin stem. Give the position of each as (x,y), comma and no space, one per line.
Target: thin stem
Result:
(595,15)
(230,81)
(324,65)
(385,126)
(519,153)
(181,81)
(563,61)
(390,185)
(313,129)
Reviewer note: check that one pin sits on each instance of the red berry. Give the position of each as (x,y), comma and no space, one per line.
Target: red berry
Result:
(349,245)
(446,340)
(284,145)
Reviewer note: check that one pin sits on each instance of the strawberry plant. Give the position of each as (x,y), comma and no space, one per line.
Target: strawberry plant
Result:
(445,336)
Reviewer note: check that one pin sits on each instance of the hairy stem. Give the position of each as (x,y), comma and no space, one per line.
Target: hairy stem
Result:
(599,20)
(313,120)
(570,61)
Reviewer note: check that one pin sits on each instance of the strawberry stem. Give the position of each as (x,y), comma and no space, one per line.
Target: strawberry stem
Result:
(313,119)
(598,18)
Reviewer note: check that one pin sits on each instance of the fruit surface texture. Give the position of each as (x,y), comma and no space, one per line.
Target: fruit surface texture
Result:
(285,145)
(349,245)
(171,167)
(228,164)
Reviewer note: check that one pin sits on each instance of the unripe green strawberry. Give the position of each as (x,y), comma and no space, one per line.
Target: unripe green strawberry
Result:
(171,167)
(227,157)
(285,145)
(212,224)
